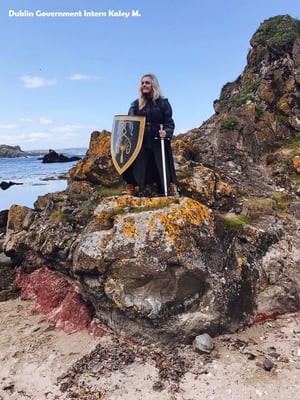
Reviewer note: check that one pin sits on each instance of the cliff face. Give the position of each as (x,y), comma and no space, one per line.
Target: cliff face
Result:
(224,253)
(260,111)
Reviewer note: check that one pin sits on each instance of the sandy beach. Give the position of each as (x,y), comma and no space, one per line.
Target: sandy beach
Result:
(39,362)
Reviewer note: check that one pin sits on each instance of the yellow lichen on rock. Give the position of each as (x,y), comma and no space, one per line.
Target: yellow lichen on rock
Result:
(240,262)
(17,217)
(296,164)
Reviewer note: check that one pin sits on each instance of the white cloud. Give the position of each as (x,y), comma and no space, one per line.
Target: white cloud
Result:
(36,136)
(45,121)
(31,82)
(26,120)
(67,128)
(23,138)
(8,126)
(79,77)
(82,77)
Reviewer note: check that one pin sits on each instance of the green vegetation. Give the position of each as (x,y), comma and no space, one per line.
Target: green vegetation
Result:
(235,222)
(275,204)
(60,216)
(283,153)
(79,197)
(184,173)
(281,200)
(115,211)
(108,191)
(248,92)
(279,33)
(282,118)
(163,203)
(294,142)
(57,199)
(259,113)
(259,207)
(229,123)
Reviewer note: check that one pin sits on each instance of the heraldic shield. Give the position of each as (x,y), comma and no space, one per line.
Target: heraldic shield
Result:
(126,140)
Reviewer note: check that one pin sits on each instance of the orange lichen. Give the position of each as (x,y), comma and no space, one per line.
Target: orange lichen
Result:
(285,108)
(16,216)
(296,164)
(224,188)
(240,262)
(129,228)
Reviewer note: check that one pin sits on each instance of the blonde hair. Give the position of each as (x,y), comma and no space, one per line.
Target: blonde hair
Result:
(155,90)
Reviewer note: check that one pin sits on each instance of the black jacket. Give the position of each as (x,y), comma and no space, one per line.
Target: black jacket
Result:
(147,167)
(156,113)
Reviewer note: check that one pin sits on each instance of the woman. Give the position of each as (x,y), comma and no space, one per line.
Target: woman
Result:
(147,168)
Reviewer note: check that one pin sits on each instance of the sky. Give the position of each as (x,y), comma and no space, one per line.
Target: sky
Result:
(62,78)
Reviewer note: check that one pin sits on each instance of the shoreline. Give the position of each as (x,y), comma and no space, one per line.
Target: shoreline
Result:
(38,361)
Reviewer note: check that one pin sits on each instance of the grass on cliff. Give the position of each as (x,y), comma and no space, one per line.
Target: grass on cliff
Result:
(235,222)
(229,122)
(163,203)
(184,173)
(275,204)
(294,143)
(279,33)
(109,191)
(284,152)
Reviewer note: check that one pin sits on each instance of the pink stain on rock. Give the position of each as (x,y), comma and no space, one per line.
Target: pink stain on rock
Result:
(56,297)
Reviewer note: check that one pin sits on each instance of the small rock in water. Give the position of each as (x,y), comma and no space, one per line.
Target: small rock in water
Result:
(203,343)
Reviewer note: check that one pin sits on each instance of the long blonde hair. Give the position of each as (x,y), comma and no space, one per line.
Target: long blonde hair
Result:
(155,92)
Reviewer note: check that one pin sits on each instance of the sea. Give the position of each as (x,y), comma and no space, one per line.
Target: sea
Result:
(35,178)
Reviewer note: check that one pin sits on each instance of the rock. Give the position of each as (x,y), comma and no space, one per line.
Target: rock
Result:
(3,222)
(6,185)
(97,167)
(221,256)
(7,261)
(203,343)
(268,365)
(7,151)
(57,297)
(54,157)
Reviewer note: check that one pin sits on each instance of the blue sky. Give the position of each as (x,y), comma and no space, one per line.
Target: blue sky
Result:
(63,77)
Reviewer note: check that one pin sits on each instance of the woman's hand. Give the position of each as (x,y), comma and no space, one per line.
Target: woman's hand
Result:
(162,134)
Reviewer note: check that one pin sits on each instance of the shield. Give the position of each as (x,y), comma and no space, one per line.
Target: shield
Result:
(126,140)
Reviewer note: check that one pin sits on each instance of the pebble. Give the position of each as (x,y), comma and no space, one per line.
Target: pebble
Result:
(203,343)
(268,365)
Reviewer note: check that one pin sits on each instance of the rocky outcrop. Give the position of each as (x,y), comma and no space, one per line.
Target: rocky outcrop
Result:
(6,185)
(53,157)
(7,151)
(219,256)
(259,111)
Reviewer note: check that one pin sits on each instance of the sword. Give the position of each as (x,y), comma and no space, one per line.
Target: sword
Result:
(163,157)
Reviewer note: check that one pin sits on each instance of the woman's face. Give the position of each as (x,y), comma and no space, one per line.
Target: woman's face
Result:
(146,85)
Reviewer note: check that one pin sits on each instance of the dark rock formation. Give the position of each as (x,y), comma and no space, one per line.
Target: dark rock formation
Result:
(3,221)
(54,157)
(225,253)
(6,185)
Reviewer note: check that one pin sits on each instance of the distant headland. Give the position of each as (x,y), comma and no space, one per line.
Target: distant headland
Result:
(7,151)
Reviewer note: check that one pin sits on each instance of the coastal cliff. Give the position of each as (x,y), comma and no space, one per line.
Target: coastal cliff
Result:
(7,151)
(223,254)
